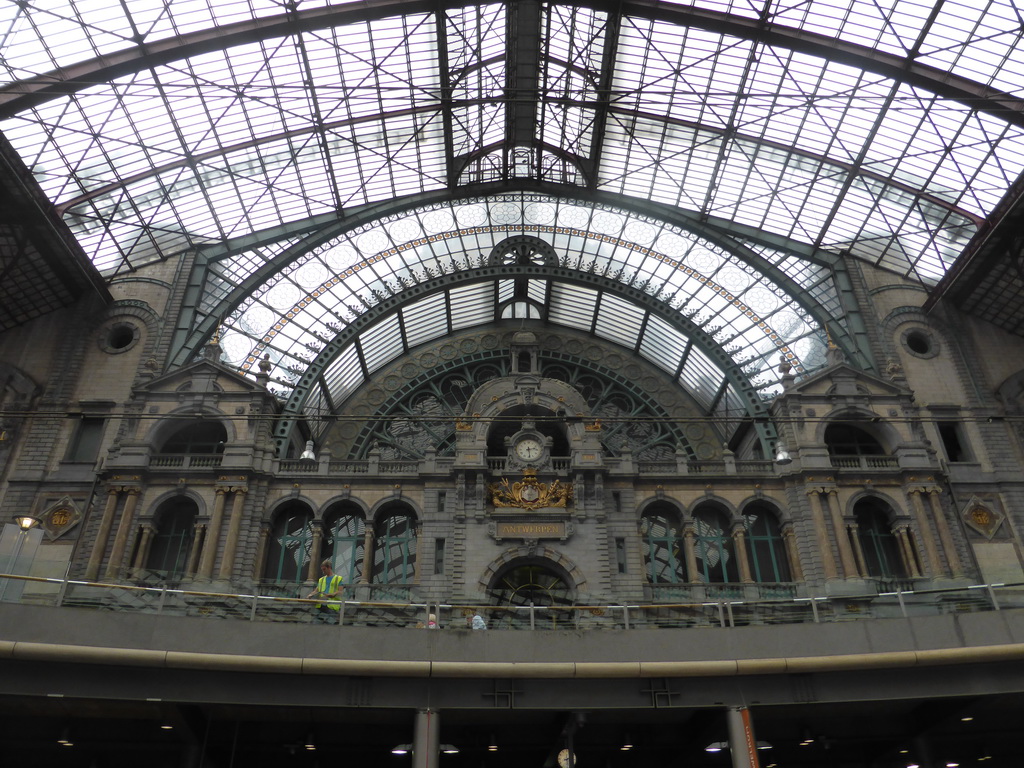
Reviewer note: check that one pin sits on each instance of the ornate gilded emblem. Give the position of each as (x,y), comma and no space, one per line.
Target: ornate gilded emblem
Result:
(530,493)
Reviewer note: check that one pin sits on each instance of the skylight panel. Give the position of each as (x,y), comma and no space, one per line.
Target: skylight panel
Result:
(663,344)
(572,306)
(381,343)
(619,320)
(425,320)
(471,305)
(344,374)
(701,377)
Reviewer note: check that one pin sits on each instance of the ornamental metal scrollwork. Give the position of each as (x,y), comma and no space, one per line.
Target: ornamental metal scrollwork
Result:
(530,493)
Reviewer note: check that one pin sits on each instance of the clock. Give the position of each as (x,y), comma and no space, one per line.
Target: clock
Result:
(564,758)
(528,449)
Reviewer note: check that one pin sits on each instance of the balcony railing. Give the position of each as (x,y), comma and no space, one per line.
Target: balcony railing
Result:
(865,462)
(185,461)
(401,611)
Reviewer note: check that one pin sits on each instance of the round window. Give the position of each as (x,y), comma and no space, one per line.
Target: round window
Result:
(920,343)
(119,337)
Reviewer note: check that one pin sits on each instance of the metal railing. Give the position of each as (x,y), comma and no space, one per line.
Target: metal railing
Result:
(719,612)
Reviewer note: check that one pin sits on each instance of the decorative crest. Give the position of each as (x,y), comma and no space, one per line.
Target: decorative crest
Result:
(530,493)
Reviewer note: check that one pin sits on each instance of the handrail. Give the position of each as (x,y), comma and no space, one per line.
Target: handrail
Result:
(724,612)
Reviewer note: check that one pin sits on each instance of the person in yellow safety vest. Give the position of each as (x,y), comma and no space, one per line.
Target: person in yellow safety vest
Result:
(329,585)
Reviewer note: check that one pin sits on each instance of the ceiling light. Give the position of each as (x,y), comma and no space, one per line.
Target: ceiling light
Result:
(782,457)
(966,719)
(65,738)
(449,749)
(310,744)
(716,746)
(401,749)
(763,745)
(492,745)
(166,727)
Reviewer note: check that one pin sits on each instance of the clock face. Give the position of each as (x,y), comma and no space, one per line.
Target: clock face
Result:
(563,758)
(528,449)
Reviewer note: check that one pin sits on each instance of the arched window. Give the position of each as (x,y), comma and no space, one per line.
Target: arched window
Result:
(197,437)
(291,537)
(344,537)
(664,562)
(877,541)
(845,439)
(768,561)
(716,557)
(169,551)
(394,551)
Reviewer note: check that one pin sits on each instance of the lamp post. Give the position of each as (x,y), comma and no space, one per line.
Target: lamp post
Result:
(25,524)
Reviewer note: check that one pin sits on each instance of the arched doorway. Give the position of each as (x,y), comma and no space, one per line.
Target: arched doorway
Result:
(539,584)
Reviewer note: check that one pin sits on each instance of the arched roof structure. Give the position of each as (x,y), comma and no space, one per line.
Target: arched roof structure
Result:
(335,171)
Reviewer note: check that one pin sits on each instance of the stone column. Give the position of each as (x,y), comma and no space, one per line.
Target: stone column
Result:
(367,554)
(212,536)
(932,564)
(945,535)
(261,552)
(121,537)
(142,552)
(796,571)
(907,550)
(690,553)
(821,534)
(99,547)
(198,536)
(739,545)
(313,571)
(227,564)
(842,539)
(853,534)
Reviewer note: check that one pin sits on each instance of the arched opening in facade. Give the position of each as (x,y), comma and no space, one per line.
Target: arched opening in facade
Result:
(714,547)
(878,542)
(512,420)
(394,551)
(847,439)
(531,582)
(344,541)
(662,534)
(768,561)
(168,554)
(289,545)
(196,437)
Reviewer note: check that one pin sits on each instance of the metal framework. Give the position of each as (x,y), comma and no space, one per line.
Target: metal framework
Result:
(251,134)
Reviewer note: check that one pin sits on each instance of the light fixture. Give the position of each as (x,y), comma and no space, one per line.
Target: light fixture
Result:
(716,746)
(449,749)
(65,738)
(627,744)
(401,749)
(492,745)
(26,522)
(782,457)
(310,744)
(763,745)
(308,455)
(966,719)
(166,727)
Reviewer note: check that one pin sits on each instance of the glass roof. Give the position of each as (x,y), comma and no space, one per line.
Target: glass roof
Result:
(893,131)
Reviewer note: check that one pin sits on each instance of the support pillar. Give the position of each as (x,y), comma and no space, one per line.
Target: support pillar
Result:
(227,563)
(313,571)
(853,534)
(121,537)
(945,535)
(821,534)
(796,571)
(142,552)
(845,548)
(261,552)
(933,563)
(690,553)
(739,546)
(99,547)
(907,549)
(367,554)
(198,536)
(742,744)
(212,536)
(426,739)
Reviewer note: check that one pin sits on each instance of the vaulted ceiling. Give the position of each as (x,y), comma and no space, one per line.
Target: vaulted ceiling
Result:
(344,178)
